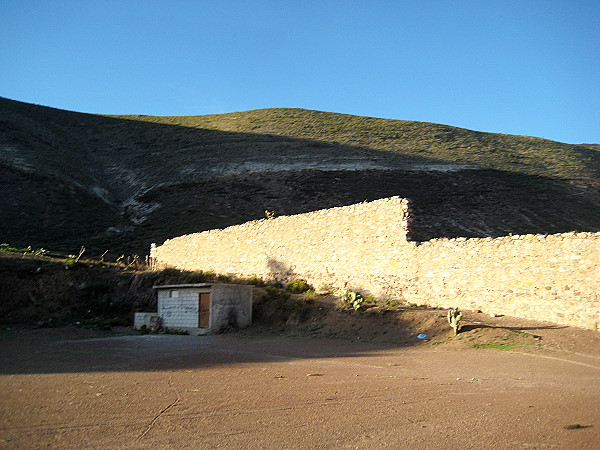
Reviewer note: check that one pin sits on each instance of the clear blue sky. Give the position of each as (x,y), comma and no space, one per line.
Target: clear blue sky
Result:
(519,67)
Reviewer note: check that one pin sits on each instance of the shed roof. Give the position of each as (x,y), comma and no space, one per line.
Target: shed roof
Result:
(181,286)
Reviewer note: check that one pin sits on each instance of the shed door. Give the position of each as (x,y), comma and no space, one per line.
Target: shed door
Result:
(204,310)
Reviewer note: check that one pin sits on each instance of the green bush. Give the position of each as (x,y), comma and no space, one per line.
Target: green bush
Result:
(170,272)
(369,301)
(298,286)
(195,277)
(255,281)
(391,304)
(309,296)
(276,294)
(277,307)
(71,263)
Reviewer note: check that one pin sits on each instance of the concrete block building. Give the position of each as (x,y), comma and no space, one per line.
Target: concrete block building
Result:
(204,306)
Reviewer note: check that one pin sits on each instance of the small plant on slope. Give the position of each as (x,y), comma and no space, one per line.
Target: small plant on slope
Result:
(454,317)
(310,296)
(298,286)
(353,299)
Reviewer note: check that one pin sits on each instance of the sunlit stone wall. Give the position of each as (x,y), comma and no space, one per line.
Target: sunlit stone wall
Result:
(366,247)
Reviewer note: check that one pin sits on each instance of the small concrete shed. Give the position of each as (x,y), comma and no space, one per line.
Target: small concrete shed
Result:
(204,306)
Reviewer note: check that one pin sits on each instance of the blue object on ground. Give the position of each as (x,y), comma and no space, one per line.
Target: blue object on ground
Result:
(422,336)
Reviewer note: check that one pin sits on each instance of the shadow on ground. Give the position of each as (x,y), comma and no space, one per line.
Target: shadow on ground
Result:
(331,334)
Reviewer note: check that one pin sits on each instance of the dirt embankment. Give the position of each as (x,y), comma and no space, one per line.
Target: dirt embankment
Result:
(47,293)
(50,292)
(425,327)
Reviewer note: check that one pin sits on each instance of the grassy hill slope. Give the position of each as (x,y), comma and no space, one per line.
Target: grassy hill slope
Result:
(415,141)
(120,182)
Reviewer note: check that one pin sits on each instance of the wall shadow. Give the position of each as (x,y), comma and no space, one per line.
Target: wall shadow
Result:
(471,327)
(27,355)
(67,350)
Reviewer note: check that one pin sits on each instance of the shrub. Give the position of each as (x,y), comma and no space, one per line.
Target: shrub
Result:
(277,295)
(71,262)
(195,277)
(298,286)
(391,304)
(370,300)
(276,307)
(255,281)
(170,272)
(310,296)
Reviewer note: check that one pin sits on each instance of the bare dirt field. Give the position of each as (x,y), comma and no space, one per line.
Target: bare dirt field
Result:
(77,388)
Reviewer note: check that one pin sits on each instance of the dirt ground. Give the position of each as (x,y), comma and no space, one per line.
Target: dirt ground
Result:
(334,383)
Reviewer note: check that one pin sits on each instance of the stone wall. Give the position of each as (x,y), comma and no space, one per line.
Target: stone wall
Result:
(554,277)
(366,247)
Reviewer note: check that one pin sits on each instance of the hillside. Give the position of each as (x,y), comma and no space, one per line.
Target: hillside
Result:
(119,183)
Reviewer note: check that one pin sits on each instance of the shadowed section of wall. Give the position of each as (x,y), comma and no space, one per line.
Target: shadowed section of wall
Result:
(366,247)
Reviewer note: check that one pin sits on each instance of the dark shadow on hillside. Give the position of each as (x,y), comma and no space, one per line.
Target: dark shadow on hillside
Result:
(469,203)
(159,181)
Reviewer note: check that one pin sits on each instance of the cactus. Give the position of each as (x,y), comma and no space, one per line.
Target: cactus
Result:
(454,316)
(353,299)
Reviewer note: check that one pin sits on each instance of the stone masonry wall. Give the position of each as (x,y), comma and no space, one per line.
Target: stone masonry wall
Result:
(365,247)
(554,277)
